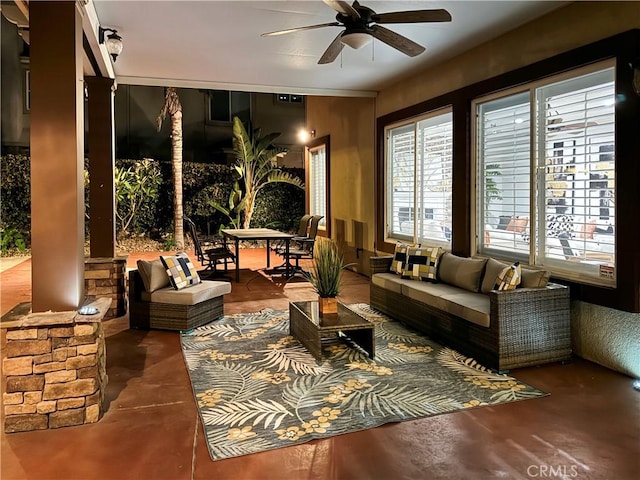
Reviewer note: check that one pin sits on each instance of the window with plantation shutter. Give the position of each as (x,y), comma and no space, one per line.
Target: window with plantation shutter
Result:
(419,171)
(504,165)
(318,183)
(546,174)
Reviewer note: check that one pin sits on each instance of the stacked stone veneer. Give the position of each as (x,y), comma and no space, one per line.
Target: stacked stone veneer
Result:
(54,369)
(105,278)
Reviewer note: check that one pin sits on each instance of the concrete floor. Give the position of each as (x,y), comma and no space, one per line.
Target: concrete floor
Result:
(587,428)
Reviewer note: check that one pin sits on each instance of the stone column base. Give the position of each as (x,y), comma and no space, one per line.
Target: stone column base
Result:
(105,278)
(55,369)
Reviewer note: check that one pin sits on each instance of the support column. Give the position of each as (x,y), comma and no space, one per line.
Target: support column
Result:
(101,140)
(57,156)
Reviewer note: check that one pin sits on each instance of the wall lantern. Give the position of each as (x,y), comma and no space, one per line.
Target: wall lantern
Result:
(113,41)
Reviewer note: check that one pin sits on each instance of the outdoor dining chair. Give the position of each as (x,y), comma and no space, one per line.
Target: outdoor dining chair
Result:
(302,232)
(210,255)
(304,247)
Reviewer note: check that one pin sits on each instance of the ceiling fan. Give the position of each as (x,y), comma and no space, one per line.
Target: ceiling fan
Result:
(361,24)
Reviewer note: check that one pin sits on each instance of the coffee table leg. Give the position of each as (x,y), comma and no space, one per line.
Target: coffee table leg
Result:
(365,339)
(311,340)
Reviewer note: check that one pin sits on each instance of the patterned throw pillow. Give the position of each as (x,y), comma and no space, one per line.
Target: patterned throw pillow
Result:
(422,263)
(559,224)
(399,258)
(181,270)
(509,278)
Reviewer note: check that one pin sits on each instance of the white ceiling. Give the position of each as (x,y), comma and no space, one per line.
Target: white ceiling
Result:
(217,44)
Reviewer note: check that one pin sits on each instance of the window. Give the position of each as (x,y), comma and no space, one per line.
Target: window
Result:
(288,98)
(546,176)
(317,183)
(224,105)
(419,167)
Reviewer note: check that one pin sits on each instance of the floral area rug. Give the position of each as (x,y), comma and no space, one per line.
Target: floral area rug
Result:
(258,388)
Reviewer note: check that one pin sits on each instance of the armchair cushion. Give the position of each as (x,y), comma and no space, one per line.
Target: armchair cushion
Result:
(154,276)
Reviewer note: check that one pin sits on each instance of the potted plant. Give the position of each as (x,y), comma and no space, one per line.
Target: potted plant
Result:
(326,274)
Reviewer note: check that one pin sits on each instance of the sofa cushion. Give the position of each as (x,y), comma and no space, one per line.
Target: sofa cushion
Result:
(509,277)
(399,258)
(462,272)
(534,278)
(474,307)
(491,272)
(422,263)
(180,270)
(429,293)
(388,281)
(205,290)
(153,274)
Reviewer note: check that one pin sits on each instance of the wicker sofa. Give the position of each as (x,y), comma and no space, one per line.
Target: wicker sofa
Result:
(153,303)
(500,329)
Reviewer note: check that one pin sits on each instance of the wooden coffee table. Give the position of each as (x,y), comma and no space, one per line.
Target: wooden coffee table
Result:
(308,326)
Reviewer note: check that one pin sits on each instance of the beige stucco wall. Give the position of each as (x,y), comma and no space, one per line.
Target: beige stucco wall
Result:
(606,336)
(562,30)
(350,124)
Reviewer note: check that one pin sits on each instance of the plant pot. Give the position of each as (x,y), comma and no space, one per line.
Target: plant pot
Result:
(328,305)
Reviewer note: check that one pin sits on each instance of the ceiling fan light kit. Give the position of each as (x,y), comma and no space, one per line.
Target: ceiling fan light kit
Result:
(355,40)
(361,24)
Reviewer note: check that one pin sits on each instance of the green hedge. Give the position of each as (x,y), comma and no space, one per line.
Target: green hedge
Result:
(15,204)
(279,205)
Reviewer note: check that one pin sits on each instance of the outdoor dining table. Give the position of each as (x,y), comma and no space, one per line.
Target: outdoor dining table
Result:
(267,234)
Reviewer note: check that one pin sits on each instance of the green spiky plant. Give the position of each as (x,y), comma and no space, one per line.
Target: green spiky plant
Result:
(328,264)
(256,165)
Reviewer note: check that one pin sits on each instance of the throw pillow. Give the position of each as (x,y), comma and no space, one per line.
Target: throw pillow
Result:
(509,278)
(154,276)
(517,224)
(559,224)
(180,270)
(587,229)
(503,221)
(399,258)
(422,263)
(461,272)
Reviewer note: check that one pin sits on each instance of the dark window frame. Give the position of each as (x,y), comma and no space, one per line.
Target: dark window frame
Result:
(624,48)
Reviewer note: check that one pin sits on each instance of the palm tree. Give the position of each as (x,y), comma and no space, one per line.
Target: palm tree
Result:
(173,107)
(256,164)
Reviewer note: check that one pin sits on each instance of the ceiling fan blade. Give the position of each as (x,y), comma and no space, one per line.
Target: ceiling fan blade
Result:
(397,41)
(343,7)
(332,51)
(416,16)
(300,29)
